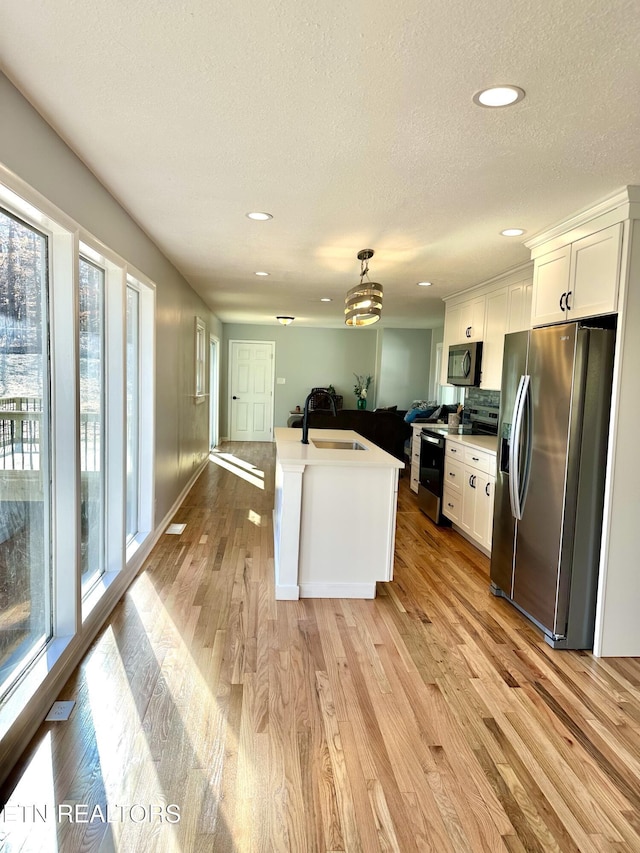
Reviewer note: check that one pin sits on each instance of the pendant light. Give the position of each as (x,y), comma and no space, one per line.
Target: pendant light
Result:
(363,303)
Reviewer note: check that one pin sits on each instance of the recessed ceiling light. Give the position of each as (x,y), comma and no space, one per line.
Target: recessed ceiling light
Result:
(259,216)
(325,299)
(262,273)
(499,96)
(512,232)
(425,283)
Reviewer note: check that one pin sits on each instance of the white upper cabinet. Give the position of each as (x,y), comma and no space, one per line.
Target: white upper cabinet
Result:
(578,280)
(499,306)
(471,322)
(595,273)
(493,345)
(451,325)
(519,307)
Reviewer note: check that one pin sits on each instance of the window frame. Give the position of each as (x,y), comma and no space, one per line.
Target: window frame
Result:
(200,360)
(76,620)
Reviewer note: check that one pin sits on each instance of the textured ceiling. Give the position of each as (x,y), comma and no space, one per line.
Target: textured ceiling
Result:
(351,122)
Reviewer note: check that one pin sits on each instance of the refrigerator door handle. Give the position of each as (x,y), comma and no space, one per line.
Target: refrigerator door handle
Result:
(527,415)
(514,449)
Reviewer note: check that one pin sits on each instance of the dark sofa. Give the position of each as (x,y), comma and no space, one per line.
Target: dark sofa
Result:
(385,428)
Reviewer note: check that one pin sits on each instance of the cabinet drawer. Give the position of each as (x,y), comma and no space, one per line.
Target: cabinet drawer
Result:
(453,475)
(451,505)
(477,459)
(453,450)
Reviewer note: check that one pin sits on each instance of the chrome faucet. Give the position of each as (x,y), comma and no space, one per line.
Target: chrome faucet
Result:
(305,417)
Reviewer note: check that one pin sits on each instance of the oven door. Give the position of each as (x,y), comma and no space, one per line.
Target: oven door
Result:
(431,477)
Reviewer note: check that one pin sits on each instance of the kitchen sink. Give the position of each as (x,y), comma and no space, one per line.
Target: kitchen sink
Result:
(336,444)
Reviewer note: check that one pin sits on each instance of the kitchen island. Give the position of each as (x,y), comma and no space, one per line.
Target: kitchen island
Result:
(334,515)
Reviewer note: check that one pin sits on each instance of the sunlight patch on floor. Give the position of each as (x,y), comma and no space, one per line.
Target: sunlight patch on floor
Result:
(237,466)
(119,734)
(29,819)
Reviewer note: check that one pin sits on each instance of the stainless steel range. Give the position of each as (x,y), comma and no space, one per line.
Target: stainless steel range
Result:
(480,421)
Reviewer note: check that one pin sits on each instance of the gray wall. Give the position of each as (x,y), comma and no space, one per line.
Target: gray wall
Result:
(405,359)
(33,151)
(305,358)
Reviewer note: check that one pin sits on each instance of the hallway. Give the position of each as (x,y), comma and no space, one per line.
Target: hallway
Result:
(431,718)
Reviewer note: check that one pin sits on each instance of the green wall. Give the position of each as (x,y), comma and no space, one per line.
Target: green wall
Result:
(305,358)
(405,359)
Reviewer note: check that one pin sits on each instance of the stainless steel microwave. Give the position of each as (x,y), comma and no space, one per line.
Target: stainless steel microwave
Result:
(465,364)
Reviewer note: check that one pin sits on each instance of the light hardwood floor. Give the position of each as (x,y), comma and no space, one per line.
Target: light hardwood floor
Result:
(432,718)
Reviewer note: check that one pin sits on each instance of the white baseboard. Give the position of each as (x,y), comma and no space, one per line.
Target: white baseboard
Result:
(338,590)
(287,592)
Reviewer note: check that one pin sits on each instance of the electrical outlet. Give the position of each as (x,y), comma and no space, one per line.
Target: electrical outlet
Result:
(281,380)
(59,711)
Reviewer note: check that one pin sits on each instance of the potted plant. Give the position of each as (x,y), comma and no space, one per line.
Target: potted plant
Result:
(361,389)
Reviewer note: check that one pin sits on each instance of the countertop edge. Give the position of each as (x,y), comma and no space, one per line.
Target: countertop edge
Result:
(291,451)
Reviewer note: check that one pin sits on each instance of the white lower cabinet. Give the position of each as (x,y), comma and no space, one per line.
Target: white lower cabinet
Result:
(415,458)
(469,486)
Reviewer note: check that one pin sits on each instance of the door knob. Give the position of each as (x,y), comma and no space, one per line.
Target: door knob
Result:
(235,398)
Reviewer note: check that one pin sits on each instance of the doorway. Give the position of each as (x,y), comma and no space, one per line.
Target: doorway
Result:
(214,391)
(251,377)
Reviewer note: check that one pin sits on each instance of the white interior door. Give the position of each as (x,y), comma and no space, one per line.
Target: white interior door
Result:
(251,384)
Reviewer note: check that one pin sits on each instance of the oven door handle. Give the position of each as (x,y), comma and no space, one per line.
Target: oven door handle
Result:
(431,440)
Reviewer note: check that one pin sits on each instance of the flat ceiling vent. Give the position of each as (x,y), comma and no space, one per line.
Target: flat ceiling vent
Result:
(176,528)
(59,711)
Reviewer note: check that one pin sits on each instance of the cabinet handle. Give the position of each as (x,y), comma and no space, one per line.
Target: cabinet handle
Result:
(486,490)
(566,301)
(451,505)
(468,331)
(472,481)
(452,450)
(562,303)
(451,474)
(475,458)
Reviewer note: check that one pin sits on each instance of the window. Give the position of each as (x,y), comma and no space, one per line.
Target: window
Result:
(92,445)
(25,499)
(77,344)
(201,355)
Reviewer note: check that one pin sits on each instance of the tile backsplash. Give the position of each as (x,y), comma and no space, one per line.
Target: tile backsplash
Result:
(475,398)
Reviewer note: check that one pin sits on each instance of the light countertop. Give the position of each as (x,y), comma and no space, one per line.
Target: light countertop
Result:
(488,443)
(291,450)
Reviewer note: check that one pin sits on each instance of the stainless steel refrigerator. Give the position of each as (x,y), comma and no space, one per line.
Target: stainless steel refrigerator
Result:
(554,418)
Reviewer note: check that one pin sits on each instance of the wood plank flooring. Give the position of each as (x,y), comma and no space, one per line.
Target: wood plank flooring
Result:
(433,718)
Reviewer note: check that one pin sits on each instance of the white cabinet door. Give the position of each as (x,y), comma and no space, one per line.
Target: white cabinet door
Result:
(595,273)
(550,287)
(494,331)
(469,492)
(471,323)
(483,519)
(519,308)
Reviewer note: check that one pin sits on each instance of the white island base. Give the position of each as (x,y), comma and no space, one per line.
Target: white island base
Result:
(334,516)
